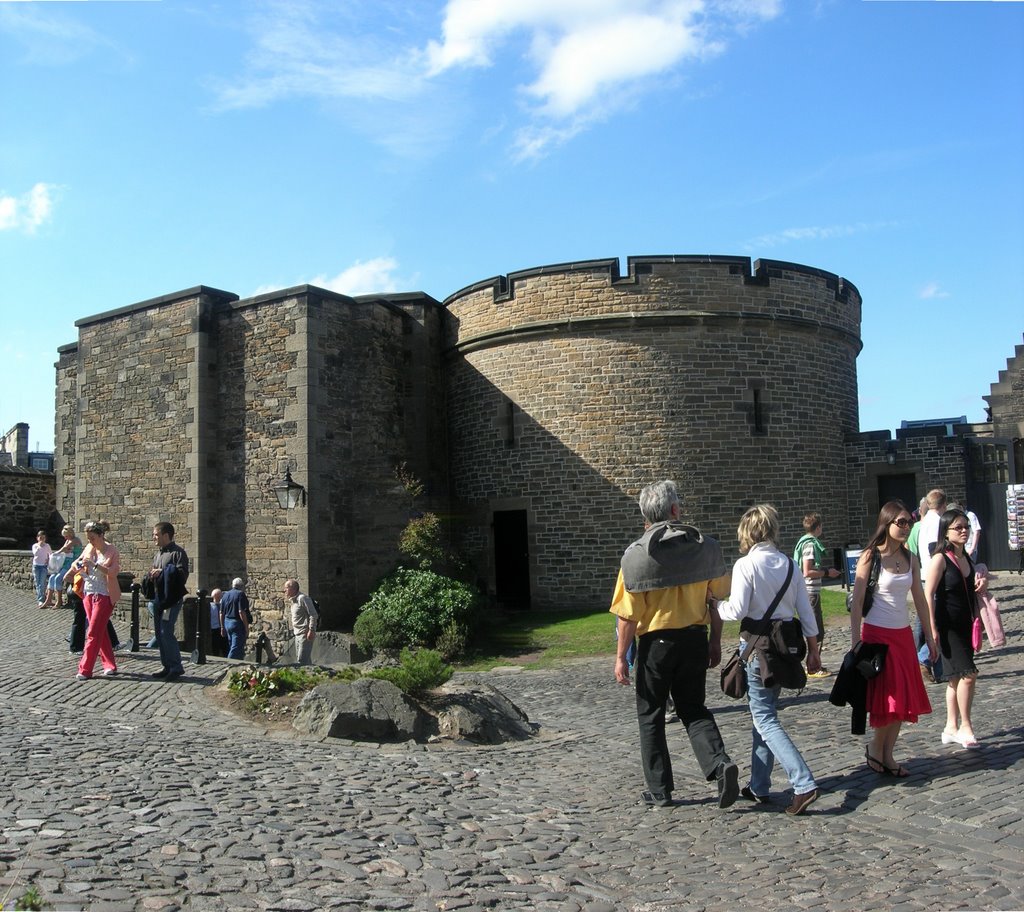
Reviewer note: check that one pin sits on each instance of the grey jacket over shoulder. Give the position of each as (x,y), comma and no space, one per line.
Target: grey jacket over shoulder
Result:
(671,553)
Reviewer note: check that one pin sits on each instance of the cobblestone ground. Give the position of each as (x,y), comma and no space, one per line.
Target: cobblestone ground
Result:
(132,794)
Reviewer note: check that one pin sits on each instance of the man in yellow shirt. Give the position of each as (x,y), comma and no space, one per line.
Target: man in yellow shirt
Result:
(661,595)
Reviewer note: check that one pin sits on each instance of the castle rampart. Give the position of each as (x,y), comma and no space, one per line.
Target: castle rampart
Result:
(571,387)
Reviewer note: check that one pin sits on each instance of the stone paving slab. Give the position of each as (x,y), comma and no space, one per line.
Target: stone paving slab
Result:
(133,794)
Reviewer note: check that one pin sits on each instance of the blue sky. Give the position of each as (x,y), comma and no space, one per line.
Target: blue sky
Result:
(148,146)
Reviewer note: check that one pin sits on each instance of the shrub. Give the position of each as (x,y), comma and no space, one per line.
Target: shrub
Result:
(258,685)
(452,640)
(413,607)
(420,542)
(421,670)
(374,634)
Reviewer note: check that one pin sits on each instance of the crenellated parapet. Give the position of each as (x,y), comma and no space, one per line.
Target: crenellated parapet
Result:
(594,294)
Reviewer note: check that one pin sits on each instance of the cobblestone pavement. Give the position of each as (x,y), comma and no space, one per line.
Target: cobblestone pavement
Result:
(133,794)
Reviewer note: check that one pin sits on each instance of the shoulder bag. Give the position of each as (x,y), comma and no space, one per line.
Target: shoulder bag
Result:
(734,672)
(869,591)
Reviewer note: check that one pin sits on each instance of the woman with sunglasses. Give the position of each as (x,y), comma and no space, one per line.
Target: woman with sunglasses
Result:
(953,605)
(99,564)
(896,695)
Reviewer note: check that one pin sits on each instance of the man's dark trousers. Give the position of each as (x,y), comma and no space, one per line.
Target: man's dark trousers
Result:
(675,662)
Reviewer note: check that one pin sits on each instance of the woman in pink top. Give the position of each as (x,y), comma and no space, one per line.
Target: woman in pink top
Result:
(896,695)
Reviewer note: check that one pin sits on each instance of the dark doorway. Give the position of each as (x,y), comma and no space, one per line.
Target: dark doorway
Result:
(511,559)
(897,487)
(990,469)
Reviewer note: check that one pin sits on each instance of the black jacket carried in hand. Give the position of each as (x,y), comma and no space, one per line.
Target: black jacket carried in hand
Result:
(851,687)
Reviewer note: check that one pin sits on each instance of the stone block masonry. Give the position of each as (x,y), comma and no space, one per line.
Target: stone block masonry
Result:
(533,406)
(741,386)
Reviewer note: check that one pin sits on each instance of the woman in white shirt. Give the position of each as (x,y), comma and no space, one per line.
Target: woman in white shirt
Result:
(896,695)
(41,552)
(99,564)
(757,578)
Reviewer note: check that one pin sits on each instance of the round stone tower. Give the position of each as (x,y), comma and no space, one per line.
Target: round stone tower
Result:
(571,386)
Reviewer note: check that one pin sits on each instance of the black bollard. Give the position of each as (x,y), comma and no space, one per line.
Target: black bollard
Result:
(134,645)
(202,627)
(263,643)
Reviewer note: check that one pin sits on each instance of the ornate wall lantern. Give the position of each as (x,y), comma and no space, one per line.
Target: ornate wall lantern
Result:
(289,492)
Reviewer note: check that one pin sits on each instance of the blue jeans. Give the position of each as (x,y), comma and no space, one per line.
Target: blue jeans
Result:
(770,741)
(630,652)
(39,574)
(236,638)
(56,580)
(164,621)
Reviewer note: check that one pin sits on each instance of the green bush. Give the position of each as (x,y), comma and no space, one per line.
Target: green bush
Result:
(452,640)
(420,542)
(414,608)
(421,670)
(374,634)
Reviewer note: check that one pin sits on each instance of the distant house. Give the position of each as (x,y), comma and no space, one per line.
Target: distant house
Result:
(14,451)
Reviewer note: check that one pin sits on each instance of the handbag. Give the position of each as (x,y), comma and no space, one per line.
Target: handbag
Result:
(734,672)
(869,591)
(56,562)
(976,634)
(734,677)
(869,659)
(785,654)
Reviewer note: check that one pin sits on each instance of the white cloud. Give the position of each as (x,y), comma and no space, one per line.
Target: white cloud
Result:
(49,38)
(814,233)
(583,47)
(299,50)
(29,211)
(576,62)
(931,291)
(376,276)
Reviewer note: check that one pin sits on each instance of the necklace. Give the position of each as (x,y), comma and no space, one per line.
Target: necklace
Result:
(897,567)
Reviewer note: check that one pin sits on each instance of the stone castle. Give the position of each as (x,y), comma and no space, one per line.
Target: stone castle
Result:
(533,406)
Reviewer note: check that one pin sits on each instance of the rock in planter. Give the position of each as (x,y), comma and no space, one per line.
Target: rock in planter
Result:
(479,713)
(363,710)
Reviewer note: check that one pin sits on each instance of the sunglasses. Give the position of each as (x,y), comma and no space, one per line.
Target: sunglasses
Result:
(959,528)
(902,523)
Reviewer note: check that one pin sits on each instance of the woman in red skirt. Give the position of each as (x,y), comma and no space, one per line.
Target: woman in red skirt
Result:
(897,694)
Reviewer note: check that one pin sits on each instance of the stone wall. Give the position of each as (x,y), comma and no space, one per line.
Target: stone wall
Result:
(933,458)
(16,570)
(1006,403)
(189,407)
(27,504)
(132,387)
(570,388)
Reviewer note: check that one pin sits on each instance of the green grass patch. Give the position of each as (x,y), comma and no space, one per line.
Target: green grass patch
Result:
(540,639)
(545,639)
